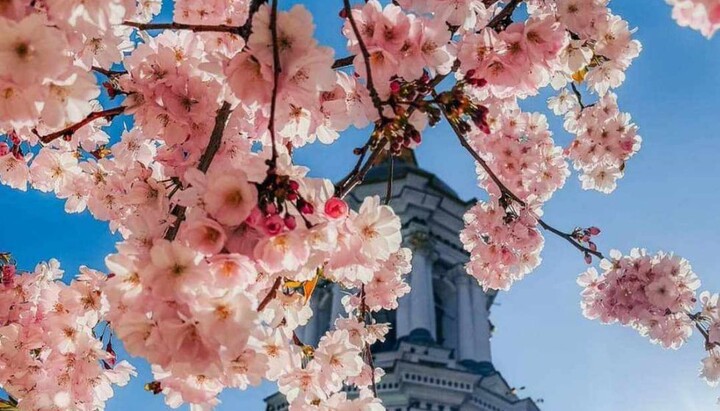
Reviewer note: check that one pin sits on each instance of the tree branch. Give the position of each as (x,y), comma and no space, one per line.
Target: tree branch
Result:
(366,59)
(506,191)
(578,95)
(270,295)
(198,28)
(505,13)
(205,160)
(358,177)
(276,79)
(108,73)
(108,114)
(343,62)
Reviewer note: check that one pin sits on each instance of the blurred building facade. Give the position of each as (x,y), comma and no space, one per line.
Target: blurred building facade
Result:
(437,355)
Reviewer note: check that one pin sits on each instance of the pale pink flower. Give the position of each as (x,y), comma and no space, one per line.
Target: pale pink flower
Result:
(230,198)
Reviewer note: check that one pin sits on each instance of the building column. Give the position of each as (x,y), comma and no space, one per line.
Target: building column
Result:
(311,330)
(466,332)
(481,317)
(336,309)
(402,314)
(421,313)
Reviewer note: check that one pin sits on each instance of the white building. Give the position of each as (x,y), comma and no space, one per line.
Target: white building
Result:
(437,355)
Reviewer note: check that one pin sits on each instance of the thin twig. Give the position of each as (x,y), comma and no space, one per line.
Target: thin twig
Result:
(388,193)
(569,238)
(361,152)
(108,73)
(366,59)
(108,114)
(198,28)
(358,177)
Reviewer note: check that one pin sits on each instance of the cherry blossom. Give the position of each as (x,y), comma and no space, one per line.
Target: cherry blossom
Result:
(651,293)
(224,238)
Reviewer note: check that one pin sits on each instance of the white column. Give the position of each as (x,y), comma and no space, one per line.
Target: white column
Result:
(422,300)
(402,315)
(466,340)
(337,309)
(311,329)
(481,316)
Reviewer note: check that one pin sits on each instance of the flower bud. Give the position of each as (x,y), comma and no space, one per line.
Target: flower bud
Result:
(336,208)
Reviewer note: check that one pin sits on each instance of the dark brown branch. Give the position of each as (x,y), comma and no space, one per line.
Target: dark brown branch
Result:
(108,114)
(504,14)
(276,79)
(198,28)
(578,95)
(358,177)
(270,295)
(343,62)
(204,163)
(366,59)
(215,138)
(360,152)
(570,238)
(108,73)
(246,29)
(388,193)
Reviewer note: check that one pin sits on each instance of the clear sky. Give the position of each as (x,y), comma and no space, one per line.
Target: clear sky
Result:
(667,201)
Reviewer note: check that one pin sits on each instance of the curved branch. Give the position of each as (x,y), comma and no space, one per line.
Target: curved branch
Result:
(507,192)
(108,114)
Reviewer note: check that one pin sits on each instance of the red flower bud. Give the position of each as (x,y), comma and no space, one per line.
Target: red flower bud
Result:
(336,208)
(593,231)
(395,86)
(273,225)
(290,222)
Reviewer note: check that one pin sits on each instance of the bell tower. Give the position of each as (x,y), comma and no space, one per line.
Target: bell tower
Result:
(437,355)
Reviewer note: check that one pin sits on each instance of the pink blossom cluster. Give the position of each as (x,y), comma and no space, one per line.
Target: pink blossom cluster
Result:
(46,51)
(521,152)
(195,309)
(465,15)
(650,293)
(700,15)
(600,47)
(504,246)
(225,239)
(503,59)
(50,357)
(606,139)
(313,101)
(400,44)
(231,13)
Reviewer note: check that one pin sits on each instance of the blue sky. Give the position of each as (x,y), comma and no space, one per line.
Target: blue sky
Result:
(667,201)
